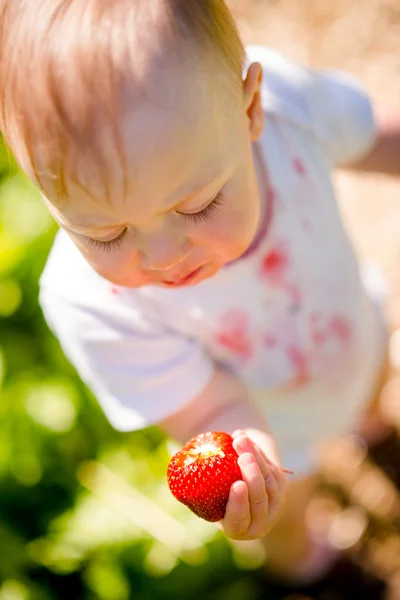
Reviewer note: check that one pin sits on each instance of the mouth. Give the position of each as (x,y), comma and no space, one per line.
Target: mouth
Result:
(190,278)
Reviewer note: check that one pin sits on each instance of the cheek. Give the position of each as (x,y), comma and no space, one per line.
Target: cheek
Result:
(120,266)
(105,265)
(230,231)
(237,222)
(117,265)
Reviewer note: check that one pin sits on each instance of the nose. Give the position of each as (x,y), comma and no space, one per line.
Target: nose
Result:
(162,252)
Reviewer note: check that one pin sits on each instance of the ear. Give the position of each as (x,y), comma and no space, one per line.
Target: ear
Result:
(252,100)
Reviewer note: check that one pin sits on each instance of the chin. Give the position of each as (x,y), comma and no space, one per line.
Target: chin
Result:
(238,253)
(125,282)
(209,272)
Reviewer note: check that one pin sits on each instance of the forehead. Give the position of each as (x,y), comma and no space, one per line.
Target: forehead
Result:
(114,129)
(170,153)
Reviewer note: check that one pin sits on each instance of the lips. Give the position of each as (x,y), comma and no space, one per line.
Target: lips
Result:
(182,280)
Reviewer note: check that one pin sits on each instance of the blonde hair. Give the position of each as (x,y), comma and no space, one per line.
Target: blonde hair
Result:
(68,68)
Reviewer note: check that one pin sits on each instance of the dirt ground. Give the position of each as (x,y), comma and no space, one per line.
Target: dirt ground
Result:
(360,490)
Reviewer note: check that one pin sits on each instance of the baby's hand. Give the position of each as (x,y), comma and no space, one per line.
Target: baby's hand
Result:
(254,503)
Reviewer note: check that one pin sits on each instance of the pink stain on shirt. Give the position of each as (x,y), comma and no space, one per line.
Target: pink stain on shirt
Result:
(299,360)
(338,327)
(341,328)
(274,265)
(270,341)
(234,333)
(319,337)
(317,331)
(299,167)
(114,290)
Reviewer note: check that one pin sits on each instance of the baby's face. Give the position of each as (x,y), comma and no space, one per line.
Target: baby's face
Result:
(193,202)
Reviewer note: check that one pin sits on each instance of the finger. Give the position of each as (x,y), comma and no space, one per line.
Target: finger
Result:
(282,481)
(287,471)
(237,514)
(238,432)
(274,494)
(252,476)
(243,444)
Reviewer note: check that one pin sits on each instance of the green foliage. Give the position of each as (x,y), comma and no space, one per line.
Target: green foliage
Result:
(85,512)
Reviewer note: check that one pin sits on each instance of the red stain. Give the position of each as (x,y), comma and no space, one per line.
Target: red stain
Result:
(274,264)
(298,358)
(236,341)
(317,333)
(299,361)
(319,337)
(340,327)
(234,334)
(299,166)
(114,290)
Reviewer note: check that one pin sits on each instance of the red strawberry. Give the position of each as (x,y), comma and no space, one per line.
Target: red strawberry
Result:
(201,474)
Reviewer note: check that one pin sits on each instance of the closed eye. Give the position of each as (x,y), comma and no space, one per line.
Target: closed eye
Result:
(110,244)
(205,214)
(201,216)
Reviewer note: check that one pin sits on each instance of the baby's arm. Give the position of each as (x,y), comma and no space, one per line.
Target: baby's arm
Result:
(384,156)
(226,405)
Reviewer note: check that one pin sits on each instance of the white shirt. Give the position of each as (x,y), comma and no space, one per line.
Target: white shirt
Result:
(291,317)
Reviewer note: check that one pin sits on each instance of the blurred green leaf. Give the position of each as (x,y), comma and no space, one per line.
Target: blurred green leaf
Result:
(22,212)
(64,540)
(53,404)
(14,590)
(10,297)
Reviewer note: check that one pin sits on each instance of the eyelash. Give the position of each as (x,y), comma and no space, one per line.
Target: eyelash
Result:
(205,214)
(108,246)
(201,216)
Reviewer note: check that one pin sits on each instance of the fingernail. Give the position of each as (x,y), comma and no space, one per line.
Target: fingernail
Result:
(247,459)
(287,471)
(237,432)
(241,443)
(238,488)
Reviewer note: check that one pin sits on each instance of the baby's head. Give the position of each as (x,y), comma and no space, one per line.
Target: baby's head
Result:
(134,120)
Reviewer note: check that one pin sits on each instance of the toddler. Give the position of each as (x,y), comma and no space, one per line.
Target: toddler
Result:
(202,278)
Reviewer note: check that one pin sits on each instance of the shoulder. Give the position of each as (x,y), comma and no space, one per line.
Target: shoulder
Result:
(330,105)
(68,275)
